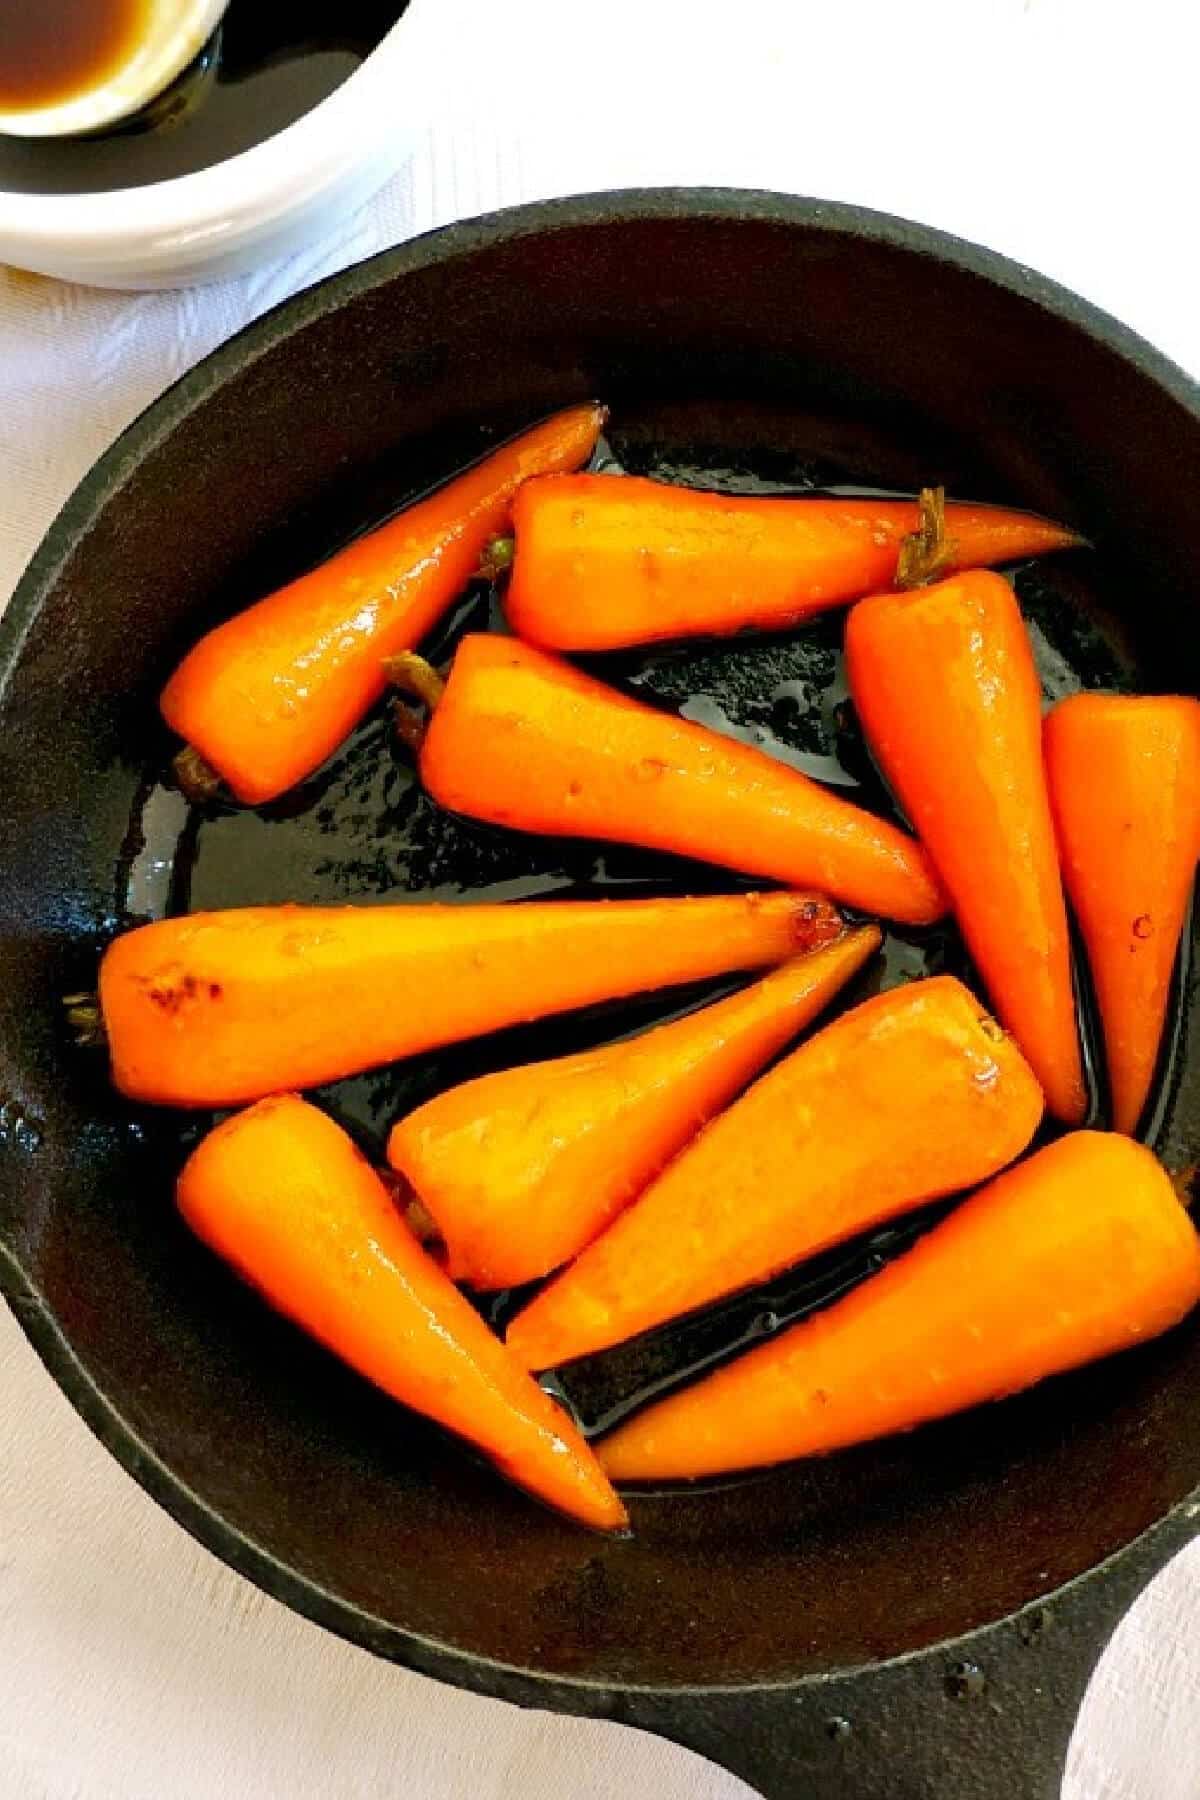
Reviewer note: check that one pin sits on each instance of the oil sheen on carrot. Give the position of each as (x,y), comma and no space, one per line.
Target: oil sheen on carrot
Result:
(525,740)
(217,1008)
(604,562)
(1124,775)
(283,1195)
(944,682)
(914,1094)
(268,695)
(521,1168)
(1081,1251)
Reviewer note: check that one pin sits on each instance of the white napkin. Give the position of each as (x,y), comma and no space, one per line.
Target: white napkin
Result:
(135,1666)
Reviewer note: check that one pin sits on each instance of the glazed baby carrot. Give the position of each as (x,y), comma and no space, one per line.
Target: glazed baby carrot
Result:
(520,1169)
(523,739)
(283,1194)
(221,1007)
(1079,1252)
(914,1094)
(944,682)
(603,561)
(1124,777)
(267,696)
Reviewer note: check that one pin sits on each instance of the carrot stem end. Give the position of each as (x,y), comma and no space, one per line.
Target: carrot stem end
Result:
(927,553)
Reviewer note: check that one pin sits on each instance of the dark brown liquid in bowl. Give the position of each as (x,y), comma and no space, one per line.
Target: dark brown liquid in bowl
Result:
(52,50)
(265,68)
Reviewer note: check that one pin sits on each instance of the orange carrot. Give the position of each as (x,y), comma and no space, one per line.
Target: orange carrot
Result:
(222,1007)
(1124,777)
(1079,1252)
(268,695)
(603,562)
(520,1169)
(282,1193)
(944,682)
(914,1094)
(525,740)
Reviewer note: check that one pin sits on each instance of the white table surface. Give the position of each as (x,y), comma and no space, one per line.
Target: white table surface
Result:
(133,1665)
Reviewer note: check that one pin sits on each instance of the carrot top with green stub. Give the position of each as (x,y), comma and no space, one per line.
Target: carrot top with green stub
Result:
(604,562)
(945,685)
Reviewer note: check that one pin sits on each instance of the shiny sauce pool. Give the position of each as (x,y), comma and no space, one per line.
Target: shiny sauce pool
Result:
(263,68)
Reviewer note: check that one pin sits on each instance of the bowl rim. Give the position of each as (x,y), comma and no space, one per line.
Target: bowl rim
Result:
(443,1660)
(224,201)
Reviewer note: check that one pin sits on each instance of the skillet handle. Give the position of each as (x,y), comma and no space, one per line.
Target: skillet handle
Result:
(987,1717)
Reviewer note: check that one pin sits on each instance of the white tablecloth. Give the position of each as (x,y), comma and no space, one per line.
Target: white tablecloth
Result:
(133,1666)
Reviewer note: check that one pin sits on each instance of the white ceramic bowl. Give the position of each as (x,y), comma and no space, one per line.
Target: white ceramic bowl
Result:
(289,190)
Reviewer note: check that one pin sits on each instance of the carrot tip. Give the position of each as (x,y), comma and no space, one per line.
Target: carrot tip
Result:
(85,1019)
(196,779)
(1184,1183)
(408,725)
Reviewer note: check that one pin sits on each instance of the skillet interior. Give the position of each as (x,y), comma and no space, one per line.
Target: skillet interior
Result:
(795,342)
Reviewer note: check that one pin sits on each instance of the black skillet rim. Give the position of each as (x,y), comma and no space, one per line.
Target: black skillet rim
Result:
(535,219)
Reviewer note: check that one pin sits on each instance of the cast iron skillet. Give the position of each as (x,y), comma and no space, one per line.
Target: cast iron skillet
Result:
(915,1618)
